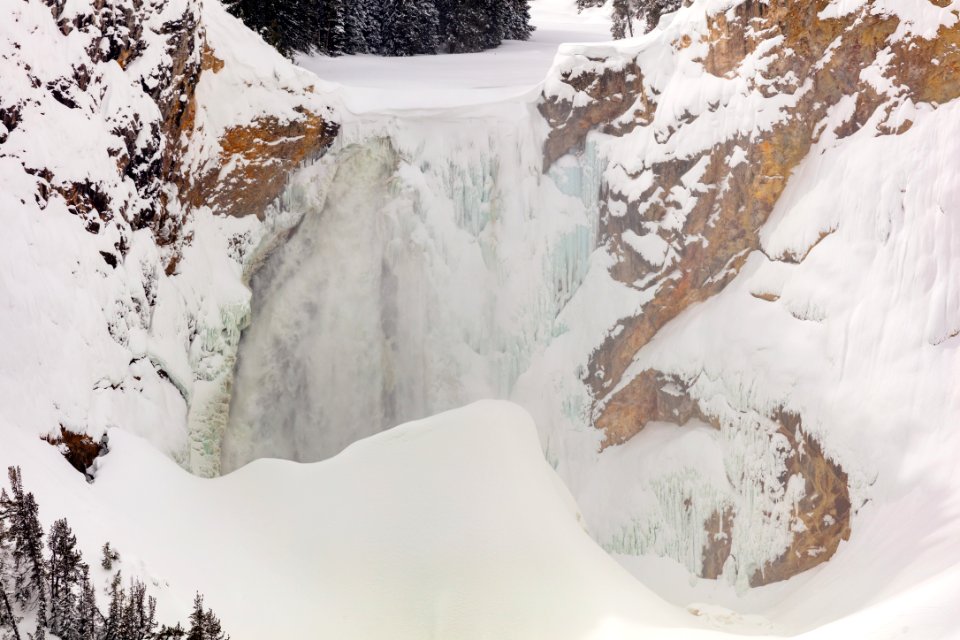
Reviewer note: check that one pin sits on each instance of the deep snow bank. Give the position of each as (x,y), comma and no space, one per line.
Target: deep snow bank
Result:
(452,527)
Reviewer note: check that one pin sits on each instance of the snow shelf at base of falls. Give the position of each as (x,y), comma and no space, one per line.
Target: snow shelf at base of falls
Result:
(452,527)
(448,528)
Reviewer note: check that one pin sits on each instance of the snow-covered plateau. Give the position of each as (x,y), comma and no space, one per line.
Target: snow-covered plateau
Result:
(669,325)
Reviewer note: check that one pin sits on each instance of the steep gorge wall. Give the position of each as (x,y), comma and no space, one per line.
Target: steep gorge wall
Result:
(159,121)
(703,130)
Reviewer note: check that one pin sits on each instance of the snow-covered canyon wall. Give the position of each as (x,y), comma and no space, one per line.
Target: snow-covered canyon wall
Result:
(127,164)
(778,193)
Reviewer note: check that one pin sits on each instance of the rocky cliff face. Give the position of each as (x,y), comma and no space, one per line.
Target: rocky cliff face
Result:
(159,119)
(706,130)
(162,52)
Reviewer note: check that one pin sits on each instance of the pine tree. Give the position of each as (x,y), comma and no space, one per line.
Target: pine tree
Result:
(204,625)
(87,615)
(109,555)
(138,616)
(64,568)
(584,4)
(410,27)
(518,26)
(27,579)
(475,25)
(289,25)
(463,24)
(8,618)
(646,13)
(623,13)
(196,620)
(362,25)
(330,31)
(113,624)
(211,626)
(171,633)
(20,513)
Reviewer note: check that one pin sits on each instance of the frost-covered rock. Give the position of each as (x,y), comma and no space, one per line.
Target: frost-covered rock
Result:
(125,161)
(766,144)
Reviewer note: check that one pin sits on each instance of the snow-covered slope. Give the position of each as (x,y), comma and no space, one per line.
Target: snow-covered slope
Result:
(452,527)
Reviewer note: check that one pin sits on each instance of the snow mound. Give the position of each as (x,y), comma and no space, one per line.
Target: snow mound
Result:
(452,527)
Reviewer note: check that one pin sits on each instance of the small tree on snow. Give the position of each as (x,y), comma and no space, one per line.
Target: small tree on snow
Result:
(110,555)
(204,625)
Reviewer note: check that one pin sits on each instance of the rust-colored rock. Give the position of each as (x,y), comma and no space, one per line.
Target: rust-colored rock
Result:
(816,61)
(821,516)
(260,157)
(611,93)
(716,550)
(79,449)
(823,513)
(255,159)
(722,228)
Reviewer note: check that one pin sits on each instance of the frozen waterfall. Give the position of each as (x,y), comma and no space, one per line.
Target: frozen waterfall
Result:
(430,265)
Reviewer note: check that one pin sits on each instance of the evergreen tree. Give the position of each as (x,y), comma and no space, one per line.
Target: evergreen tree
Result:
(87,615)
(108,557)
(464,24)
(64,569)
(410,27)
(289,25)
(138,619)
(330,30)
(28,580)
(388,27)
(645,13)
(623,15)
(362,26)
(171,633)
(518,25)
(475,25)
(204,625)
(113,624)
(583,4)
(20,513)
(8,618)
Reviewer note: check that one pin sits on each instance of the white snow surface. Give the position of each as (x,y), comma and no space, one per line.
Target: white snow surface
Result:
(450,527)
(376,83)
